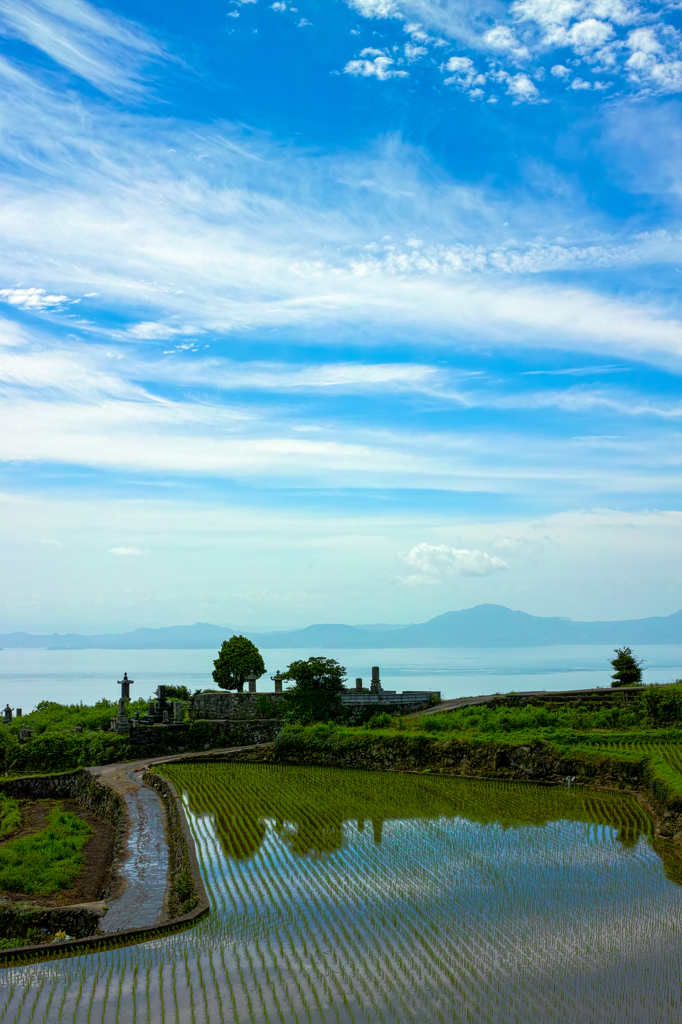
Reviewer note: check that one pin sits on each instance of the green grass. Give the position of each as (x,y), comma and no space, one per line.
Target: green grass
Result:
(10,816)
(49,860)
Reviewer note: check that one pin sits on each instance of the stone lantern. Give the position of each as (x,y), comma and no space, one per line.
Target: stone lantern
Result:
(251,680)
(125,685)
(277,679)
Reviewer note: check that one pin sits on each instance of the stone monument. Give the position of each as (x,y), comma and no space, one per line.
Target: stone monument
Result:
(376,682)
(122,724)
(125,685)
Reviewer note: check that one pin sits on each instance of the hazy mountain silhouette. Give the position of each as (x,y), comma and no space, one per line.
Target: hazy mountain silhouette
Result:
(486,625)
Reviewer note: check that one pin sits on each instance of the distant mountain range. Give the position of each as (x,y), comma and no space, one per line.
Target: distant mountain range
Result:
(486,625)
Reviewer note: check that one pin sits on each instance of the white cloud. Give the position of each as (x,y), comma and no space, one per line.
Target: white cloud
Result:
(11,334)
(281,239)
(464,76)
(31,298)
(521,88)
(107,50)
(597,32)
(502,39)
(128,551)
(559,71)
(380,67)
(432,562)
(413,52)
(375,8)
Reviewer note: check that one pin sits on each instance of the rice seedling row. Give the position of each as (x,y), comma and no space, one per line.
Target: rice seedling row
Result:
(455,901)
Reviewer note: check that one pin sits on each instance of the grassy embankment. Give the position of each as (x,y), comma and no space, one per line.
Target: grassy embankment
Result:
(48,861)
(640,731)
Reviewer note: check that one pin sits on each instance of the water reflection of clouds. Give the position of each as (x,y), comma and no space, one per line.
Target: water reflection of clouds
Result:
(544,906)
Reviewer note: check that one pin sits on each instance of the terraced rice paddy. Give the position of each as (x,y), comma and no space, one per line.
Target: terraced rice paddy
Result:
(351,896)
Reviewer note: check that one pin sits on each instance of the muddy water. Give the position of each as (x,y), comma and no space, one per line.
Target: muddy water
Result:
(352,896)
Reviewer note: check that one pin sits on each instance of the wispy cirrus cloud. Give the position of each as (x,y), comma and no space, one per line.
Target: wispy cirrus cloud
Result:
(107,50)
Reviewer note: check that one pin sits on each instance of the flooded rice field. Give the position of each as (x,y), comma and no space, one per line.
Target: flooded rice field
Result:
(349,896)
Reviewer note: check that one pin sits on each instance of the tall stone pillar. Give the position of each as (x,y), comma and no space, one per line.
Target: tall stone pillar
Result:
(358,683)
(376,681)
(277,679)
(178,711)
(252,682)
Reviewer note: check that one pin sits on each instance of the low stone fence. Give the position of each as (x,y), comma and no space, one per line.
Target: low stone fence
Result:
(228,704)
(223,704)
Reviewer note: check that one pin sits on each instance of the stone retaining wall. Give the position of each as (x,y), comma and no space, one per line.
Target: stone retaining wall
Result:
(591,698)
(79,785)
(78,920)
(224,704)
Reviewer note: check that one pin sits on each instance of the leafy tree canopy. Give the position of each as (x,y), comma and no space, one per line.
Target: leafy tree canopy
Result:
(236,660)
(316,694)
(627,669)
(317,674)
(178,693)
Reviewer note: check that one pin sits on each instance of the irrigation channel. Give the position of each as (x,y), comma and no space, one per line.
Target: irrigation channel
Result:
(347,896)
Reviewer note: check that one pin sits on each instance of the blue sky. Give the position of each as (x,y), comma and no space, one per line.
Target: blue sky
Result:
(340,311)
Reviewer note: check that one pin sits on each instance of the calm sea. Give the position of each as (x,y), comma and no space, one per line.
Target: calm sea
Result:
(29,676)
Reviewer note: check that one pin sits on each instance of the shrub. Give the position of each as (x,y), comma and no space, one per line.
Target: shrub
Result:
(380,720)
(663,705)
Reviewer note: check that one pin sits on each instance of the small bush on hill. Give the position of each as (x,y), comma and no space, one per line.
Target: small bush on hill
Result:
(663,704)
(380,720)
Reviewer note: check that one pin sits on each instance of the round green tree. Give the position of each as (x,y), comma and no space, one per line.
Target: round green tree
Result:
(626,669)
(237,659)
(316,693)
